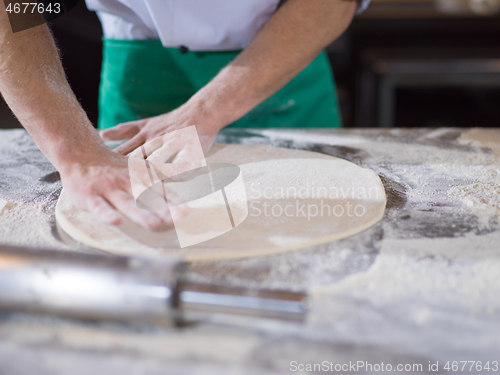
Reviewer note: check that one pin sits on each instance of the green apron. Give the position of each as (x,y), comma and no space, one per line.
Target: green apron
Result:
(141,79)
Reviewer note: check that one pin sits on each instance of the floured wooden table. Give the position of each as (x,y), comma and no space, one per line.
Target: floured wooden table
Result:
(420,286)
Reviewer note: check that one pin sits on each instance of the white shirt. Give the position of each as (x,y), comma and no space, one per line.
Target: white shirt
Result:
(200,25)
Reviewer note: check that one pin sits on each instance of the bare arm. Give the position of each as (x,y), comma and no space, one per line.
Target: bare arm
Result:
(289,41)
(34,85)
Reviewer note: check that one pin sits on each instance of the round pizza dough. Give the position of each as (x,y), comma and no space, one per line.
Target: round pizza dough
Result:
(295,198)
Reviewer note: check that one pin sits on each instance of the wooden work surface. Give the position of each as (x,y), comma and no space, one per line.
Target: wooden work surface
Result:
(422,285)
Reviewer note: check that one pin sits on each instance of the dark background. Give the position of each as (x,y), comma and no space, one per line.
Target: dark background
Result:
(78,35)
(399,41)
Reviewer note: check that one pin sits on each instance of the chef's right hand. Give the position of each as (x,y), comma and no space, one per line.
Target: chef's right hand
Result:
(100,184)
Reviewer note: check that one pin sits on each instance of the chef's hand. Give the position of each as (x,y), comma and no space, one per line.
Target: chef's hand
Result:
(100,184)
(142,131)
(296,33)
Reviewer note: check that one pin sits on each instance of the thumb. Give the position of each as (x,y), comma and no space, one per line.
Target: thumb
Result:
(123,131)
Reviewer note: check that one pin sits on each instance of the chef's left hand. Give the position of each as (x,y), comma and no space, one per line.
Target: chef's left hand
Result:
(276,55)
(145,130)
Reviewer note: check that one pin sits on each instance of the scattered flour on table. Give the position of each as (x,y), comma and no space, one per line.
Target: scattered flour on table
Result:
(308,137)
(27,224)
(412,288)
(484,138)
(482,196)
(197,344)
(29,187)
(468,180)
(433,271)
(460,270)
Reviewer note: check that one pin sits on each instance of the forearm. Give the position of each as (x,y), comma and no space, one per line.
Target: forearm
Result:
(33,84)
(288,42)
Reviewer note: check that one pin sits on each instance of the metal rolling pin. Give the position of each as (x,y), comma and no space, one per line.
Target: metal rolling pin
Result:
(136,290)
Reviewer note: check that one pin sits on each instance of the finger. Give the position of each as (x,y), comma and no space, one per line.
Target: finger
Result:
(140,170)
(189,165)
(159,152)
(151,146)
(122,131)
(175,158)
(126,205)
(130,145)
(157,199)
(172,199)
(141,176)
(166,151)
(190,155)
(175,142)
(103,210)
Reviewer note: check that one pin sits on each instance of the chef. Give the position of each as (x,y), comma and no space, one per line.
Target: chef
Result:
(169,64)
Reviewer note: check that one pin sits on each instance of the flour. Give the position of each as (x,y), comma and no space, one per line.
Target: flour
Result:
(482,197)
(425,280)
(433,270)
(421,259)
(161,343)
(484,138)
(29,186)
(27,224)
(466,179)
(6,206)
(304,136)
